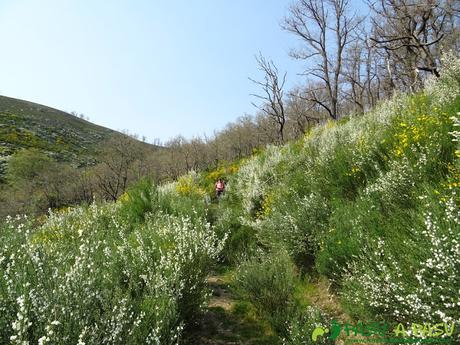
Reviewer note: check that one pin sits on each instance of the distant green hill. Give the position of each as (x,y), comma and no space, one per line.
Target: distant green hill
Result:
(62,136)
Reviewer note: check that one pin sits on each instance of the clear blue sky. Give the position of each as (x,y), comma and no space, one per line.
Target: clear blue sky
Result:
(156,68)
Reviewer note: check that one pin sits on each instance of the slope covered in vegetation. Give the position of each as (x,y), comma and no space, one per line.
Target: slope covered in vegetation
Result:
(52,159)
(62,136)
(25,124)
(370,203)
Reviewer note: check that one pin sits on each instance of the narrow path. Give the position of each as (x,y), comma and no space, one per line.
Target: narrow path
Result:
(229,321)
(320,295)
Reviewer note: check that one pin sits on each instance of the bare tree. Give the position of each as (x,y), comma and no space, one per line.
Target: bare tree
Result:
(197,148)
(120,165)
(301,113)
(315,22)
(173,162)
(355,77)
(240,138)
(214,149)
(272,97)
(363,71)
(375,73)
(411,33)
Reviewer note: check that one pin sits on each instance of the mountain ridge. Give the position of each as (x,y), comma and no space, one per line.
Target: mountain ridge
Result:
(62,136)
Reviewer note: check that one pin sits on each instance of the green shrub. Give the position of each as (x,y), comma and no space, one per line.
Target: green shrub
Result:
(138,201)
(295,222)
(302,325)
(240,238)
(268,281)
(172,202)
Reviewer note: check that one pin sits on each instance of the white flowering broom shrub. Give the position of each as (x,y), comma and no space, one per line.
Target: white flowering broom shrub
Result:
(448,88)
(419,280)
(371,202)
(253,179)
(88,277)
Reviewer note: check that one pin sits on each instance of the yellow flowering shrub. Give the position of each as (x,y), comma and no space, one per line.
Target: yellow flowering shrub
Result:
(187,185)
(46,236)
(222,171)
(266,207)
(124,197)
(418,127)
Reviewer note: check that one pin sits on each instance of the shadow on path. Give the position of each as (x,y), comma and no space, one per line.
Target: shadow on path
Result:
(228,321)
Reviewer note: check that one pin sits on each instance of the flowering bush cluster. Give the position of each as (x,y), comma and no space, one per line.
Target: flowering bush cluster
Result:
(419,281)
(188,185)
(87,276)
(254,177)
(447,89)
(372,203)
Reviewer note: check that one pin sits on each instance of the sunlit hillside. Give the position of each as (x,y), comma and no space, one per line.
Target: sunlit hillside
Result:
(363,212)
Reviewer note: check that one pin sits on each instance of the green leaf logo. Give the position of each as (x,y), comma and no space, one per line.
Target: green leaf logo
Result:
(318,331)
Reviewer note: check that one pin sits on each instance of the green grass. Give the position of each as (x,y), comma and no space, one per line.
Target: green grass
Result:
(60,135)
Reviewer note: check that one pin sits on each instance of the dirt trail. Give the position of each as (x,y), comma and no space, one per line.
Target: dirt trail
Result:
(321,296)
(230,321)
(227,321)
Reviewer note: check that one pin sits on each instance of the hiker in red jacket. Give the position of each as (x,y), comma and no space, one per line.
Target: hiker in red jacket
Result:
(220,187)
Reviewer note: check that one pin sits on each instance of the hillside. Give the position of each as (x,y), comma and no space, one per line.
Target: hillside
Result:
(61,135)
(350,233)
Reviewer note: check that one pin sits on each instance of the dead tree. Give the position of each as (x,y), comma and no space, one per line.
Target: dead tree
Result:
(411,32)
(119,166)
(272,94)
(362,72)
(315,22)
(301,113)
